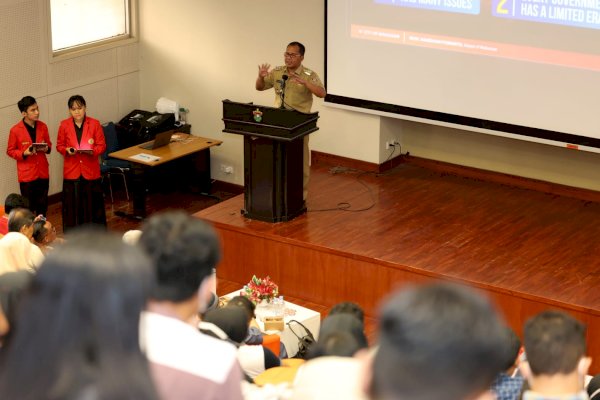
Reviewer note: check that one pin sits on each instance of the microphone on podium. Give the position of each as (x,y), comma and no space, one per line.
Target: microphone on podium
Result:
(284,78)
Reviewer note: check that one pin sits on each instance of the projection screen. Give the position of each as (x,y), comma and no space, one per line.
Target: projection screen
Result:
(522,68)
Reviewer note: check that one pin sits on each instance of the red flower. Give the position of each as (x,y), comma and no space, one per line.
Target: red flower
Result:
(260,289)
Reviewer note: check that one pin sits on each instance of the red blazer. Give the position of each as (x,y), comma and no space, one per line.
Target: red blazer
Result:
(34,166)
(80,164)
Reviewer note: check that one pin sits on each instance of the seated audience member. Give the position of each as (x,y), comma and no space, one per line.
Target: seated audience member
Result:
(12,285)
(11,202)
(185,363)
(437,341)
(334,365)
(44,234)
(556,364)
(255,336)
(508,384)
(332,370)
(244,303)
(21,220)
(234,322)
(77,330)
(225,323)
(18,253)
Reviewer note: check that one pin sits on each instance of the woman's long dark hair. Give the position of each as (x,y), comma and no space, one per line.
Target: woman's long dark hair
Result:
(77,332)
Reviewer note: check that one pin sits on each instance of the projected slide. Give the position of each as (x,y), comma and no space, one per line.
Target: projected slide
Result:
(459,6)
(579,13)
(584,13)
(531,66)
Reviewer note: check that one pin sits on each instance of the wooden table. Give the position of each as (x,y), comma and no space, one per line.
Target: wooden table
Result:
(181,145)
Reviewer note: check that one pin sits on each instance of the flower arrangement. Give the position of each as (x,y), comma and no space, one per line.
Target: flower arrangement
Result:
(259,289)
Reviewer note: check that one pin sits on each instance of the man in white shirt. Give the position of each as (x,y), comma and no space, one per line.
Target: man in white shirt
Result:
(185,363)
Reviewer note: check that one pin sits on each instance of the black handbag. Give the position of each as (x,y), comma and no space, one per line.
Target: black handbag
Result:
(305,341)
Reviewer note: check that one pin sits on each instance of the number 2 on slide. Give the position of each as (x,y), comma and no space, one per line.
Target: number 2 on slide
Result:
(500,7)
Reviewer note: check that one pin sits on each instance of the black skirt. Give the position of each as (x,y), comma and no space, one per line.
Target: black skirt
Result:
(83,203)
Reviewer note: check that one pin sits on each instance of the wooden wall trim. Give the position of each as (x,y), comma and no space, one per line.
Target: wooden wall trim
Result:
(463,171)
(331,159)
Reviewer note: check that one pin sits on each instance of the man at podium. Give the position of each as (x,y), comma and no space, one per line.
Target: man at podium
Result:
(294,87)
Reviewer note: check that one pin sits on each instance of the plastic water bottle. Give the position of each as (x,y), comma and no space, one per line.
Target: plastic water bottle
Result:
(279,306)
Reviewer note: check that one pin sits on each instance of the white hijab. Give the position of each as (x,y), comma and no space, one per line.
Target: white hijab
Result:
(17,253)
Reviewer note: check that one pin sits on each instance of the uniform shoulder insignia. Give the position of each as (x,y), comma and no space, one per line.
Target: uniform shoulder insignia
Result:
(307,71)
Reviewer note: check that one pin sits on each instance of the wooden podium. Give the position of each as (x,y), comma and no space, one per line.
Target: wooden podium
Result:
(273,157)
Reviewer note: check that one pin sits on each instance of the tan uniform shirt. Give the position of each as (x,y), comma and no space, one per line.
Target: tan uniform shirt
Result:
(297,96)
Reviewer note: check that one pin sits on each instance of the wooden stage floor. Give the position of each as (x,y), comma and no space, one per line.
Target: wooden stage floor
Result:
(528,250)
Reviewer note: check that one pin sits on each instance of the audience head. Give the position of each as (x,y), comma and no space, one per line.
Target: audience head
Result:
(348,307)
(13,201)
(340,335)
(44,232)
(184,250)
(337,343)
(17,253)
(245,304)
(554,344)
(12,286)
(231,320)
(511,348)
(77,329)
(437,341)
(21,220)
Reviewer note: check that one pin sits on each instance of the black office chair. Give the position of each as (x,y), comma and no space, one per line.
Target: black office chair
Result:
(113,166)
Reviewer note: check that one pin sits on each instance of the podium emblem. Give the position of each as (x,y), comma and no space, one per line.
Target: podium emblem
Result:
(257,115)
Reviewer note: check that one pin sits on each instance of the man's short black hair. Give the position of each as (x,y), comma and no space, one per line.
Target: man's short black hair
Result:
(15,200)
(338,344)
(437,342)
(25,103)
(246,304)
(19,218)
(554,343)
(184,249)
(348,307)
(512,346)
(301,48)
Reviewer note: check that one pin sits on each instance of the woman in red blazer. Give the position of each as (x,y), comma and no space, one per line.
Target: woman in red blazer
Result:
(81,142)
(32,164)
